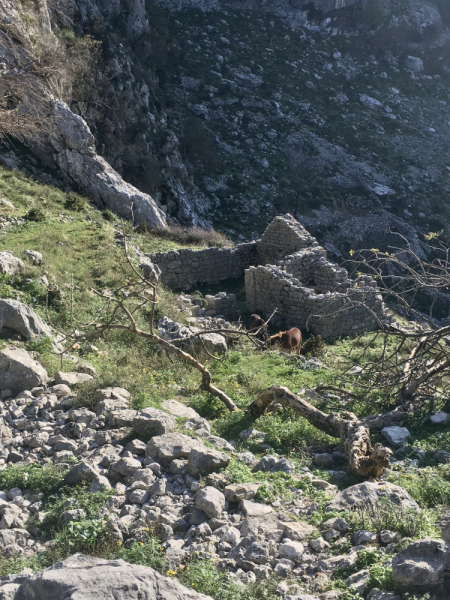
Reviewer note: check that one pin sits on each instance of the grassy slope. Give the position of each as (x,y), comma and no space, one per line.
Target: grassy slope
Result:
(81,243)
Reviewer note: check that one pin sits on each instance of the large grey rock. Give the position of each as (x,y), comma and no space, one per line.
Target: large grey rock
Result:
(298,530)
(236,492)
(179,410)
(423,566)
(19,372)
(10,264)
(121,418)
(81,472)
(210,501)
(369,494)
(397,436)
(72,378)
(440,418)
(254,509)
(20,318)
(171,446)
(88,578)
(181,336)
(203,461)
(414,63)
(151,421)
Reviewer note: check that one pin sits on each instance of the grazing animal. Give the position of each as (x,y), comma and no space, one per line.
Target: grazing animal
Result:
(287,340)
(256,324)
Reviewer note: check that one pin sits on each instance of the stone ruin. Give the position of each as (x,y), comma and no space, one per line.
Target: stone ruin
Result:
(285,270)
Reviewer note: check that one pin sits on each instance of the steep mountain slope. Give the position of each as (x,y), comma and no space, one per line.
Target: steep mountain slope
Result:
(228,116)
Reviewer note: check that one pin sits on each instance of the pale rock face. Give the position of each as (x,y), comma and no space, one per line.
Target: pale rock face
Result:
(152,421)
(10,264)
(79,576)
(19,372)
(20,318)
(210,501)
(369,493)
(423,566)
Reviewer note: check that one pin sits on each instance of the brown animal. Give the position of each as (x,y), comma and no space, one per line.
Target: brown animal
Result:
(287,340)
(256,325)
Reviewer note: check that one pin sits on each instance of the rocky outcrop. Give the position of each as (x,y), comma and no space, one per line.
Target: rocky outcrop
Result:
(369,494)
(423,566)
(78,577)
(20,318)
(65,141)
(18,371)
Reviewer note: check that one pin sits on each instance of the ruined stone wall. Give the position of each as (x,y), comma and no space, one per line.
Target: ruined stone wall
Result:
(286,269)
(284,236)
(183,269)
(313,269)
(331,315)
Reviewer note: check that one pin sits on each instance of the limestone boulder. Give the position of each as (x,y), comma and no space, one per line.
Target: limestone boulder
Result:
(151,421)
(78,578)
(170,446)
(369,493)
(236,492)
(177,409)
(10,264)
(203,461)
(397,436)
(19,372)
(424,566)
(22,319)
(72,378)
(210,501)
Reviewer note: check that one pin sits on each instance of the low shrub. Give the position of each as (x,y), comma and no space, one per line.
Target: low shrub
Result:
(75,203)
(42,478)
(149,554)
(36,214)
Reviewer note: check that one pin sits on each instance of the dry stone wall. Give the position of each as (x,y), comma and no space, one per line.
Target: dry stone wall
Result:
(285,270)
(330,314)
(183,269)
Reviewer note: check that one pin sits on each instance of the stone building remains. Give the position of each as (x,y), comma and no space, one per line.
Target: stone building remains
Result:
(285,270)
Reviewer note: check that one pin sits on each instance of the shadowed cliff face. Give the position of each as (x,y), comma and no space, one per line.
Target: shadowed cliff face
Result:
(231,114)
(63,140)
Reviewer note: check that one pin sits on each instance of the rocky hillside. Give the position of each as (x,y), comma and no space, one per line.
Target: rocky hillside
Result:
(229,116)
(114,451)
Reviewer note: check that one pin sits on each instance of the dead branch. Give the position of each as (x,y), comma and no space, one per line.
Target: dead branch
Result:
(364,459)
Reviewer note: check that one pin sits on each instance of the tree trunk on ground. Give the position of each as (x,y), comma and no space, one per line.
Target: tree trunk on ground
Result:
(365,460)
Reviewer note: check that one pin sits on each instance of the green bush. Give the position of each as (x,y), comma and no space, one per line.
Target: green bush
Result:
(41,478)
(82,536)
(75,203)
(36,214)
(90,502)
(150,554)
(429,489)
(203,576)
(108,215)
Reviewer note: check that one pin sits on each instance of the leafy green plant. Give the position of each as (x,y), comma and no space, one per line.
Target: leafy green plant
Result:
(150,553)
(380,576)
(82,535)
(43,478)
(428,488)
(386,515)
(108,215)
(203,576)
(41,344)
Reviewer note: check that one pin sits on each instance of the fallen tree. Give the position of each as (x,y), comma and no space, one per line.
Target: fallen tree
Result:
(364,459)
